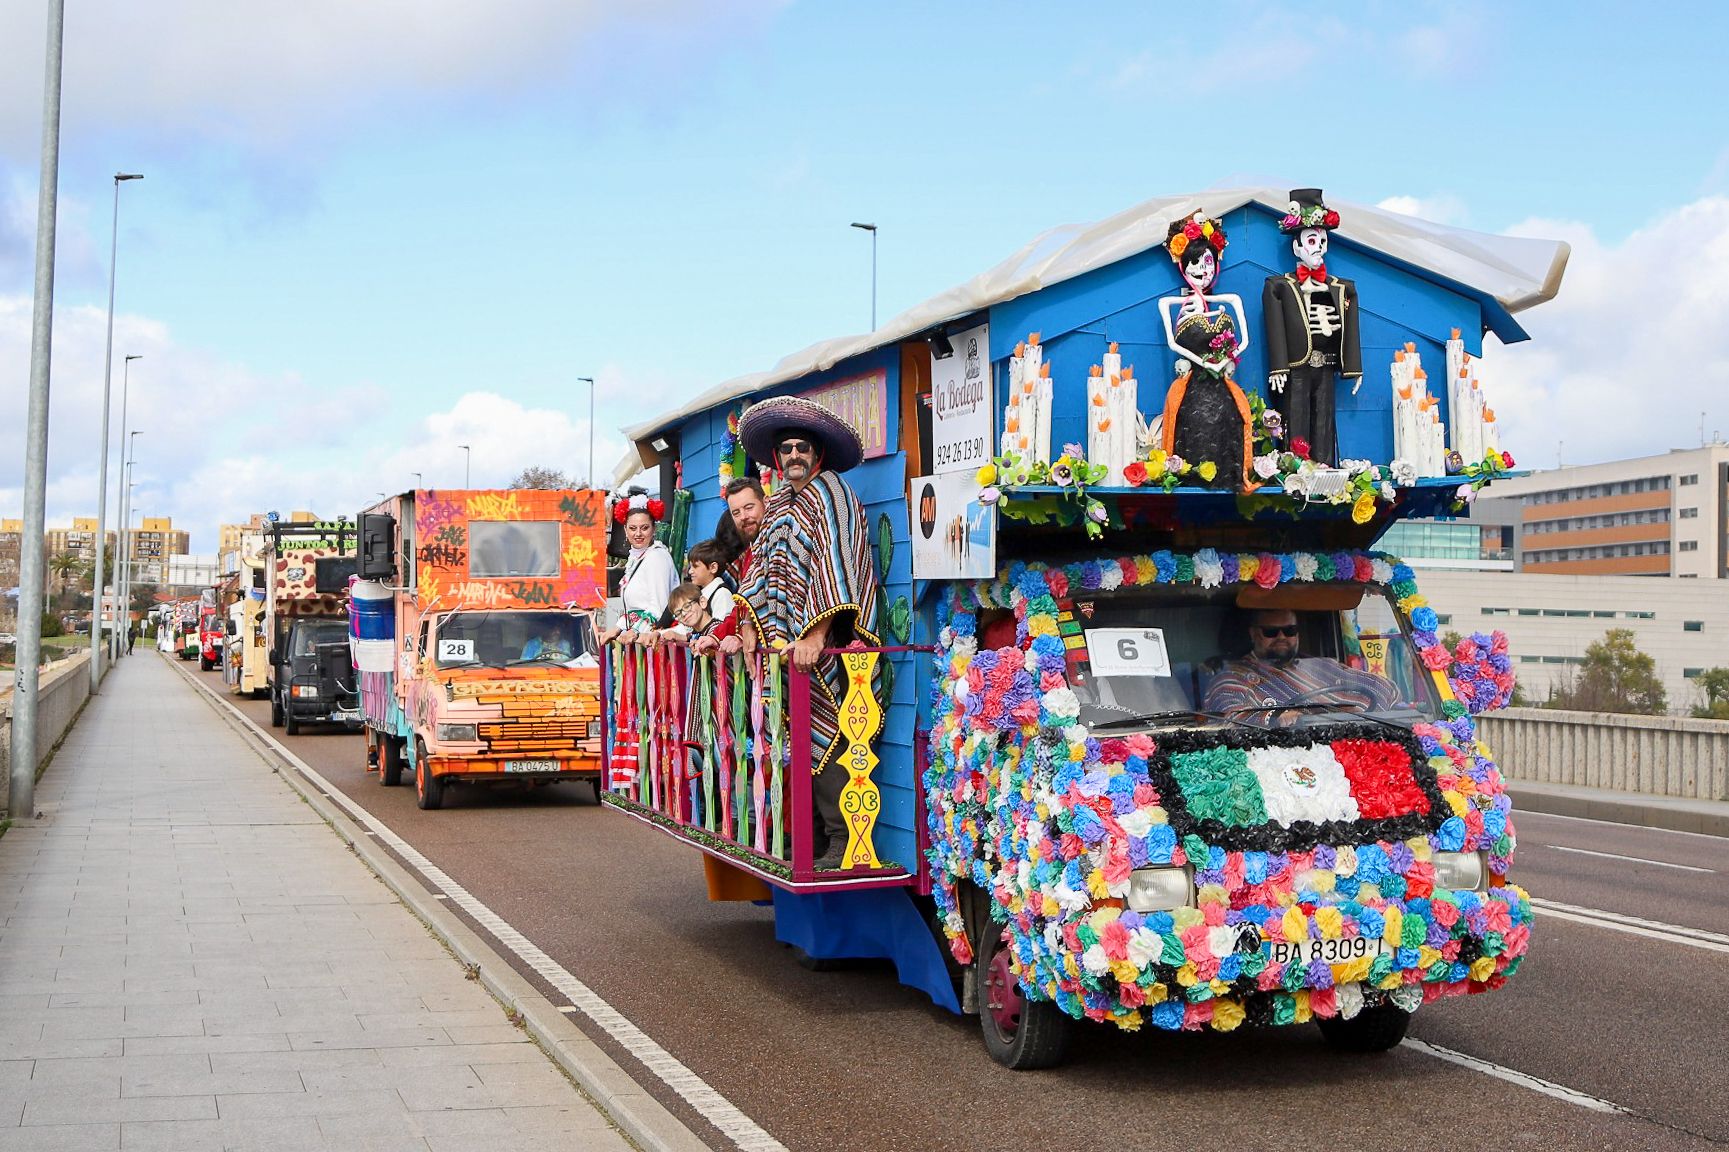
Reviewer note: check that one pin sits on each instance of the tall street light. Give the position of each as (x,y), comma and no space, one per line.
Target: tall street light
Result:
(467,459)
(21,802)
(872,229)
(128,545)
(588,482)
(121,544)
(102,470)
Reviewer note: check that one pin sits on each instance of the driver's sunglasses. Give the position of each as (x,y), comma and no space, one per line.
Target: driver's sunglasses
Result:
(796,447)
(1277,630)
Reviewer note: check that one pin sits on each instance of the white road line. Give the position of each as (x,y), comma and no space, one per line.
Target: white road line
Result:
(1523,1080)
(691,1088)
(1616,921)
(1527,813)
(1634,859)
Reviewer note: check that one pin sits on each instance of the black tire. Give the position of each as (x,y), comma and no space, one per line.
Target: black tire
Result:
(428,789)
(205,665)
(389,761)
(1371,1030)
(818,964)
(1019,1033)
(275,710)
(595,784)
(290,724)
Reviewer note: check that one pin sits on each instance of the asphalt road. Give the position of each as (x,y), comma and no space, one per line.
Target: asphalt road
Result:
(852,1060)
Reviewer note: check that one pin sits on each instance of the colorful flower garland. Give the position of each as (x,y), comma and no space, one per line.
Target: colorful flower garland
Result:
(1026,804)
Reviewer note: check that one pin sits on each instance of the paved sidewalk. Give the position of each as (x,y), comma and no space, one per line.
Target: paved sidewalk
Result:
(191,959)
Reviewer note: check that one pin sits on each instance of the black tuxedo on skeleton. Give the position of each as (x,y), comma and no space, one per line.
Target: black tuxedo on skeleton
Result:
(1313,349)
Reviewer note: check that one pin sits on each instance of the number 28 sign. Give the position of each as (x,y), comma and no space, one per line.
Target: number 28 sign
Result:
(1127,652)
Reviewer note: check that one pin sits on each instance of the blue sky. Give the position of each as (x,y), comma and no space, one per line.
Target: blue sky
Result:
(366,237)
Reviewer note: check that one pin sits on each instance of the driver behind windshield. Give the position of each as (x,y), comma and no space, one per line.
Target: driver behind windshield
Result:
(1275,674)
(553,643)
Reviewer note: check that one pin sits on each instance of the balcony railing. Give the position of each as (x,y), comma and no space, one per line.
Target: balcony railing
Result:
(716,748)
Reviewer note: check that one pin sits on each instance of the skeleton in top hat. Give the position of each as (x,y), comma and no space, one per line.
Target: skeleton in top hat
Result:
(1312,335)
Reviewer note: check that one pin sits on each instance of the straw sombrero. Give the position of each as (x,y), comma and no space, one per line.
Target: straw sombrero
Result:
(764,424)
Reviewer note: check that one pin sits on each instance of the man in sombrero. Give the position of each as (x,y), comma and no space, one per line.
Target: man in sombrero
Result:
(812,583)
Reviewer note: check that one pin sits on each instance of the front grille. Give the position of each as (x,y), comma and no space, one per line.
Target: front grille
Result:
(535,735)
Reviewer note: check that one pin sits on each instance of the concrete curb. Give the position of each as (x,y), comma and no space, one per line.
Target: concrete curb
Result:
(1705,817)
(642,1118)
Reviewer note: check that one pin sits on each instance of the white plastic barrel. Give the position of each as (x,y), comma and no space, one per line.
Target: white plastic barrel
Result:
(372,626)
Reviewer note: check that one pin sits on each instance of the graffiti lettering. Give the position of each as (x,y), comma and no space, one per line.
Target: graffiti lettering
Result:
(452,534)
(534,593)
(580,512)
(442,555)
(579,553)
(493,506)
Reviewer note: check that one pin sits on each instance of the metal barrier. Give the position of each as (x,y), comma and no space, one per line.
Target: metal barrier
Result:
(1653,755)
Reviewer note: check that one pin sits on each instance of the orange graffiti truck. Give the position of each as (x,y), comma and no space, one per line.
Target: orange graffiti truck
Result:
(474,640)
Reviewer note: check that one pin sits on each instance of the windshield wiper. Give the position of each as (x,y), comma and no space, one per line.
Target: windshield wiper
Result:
(1338,707)
(1169,714)
(538,657)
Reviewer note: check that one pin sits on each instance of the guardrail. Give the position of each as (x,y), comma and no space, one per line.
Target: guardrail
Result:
(1653,755)
(61,691)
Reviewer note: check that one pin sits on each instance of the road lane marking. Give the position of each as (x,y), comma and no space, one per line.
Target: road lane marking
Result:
(1634,859)
(691,1088)
(1522,1079)
(1655,929)
(1527,814)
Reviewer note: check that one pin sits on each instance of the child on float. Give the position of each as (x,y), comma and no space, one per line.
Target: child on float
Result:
(691,609)
(705,567)
(649,574)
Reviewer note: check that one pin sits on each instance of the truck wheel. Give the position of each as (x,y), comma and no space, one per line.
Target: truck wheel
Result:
(1371,1030)
(389,761)
(205,665)
(289,723)
(275,711)
(1019,1033)
(428,789)
(595,784)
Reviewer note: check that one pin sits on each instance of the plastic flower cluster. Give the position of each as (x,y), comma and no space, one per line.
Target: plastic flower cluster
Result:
(1025,803)
(1166,470)
(1314,216)
(1070,473)
(1481,673)
(1196,228)
(1492,466)
(727,470)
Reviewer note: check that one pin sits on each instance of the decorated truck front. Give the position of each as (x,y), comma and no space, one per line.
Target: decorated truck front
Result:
(186,615)
(474,637)
(1075,796)
(311,669)
(248,651)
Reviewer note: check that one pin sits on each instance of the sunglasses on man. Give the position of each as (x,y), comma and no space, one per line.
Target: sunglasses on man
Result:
(796,448)
(1276,629)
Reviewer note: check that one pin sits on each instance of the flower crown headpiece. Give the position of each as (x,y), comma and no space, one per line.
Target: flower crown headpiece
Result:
(1298,217)
(1196,228)
(641,502)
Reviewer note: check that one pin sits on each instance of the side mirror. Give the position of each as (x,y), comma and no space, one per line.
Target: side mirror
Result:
(275,655)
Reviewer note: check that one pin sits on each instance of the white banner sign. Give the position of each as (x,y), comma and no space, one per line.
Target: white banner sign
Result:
(963,400)
(954,536)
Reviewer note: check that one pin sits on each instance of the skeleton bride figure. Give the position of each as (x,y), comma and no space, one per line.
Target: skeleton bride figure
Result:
(1206,415)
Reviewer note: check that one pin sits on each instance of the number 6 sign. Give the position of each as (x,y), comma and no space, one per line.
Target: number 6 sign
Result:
(1127,652)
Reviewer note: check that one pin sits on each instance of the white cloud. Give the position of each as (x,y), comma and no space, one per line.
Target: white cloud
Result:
(1441,208)
(1623,361)
(250,73)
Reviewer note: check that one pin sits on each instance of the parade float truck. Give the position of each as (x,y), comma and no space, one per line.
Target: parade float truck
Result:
(309,666)
(212,631)
(474,637)
(248,651)
(186,618)
(1056,813)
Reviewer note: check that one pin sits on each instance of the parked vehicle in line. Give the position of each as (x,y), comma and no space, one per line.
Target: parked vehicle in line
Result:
(311,670)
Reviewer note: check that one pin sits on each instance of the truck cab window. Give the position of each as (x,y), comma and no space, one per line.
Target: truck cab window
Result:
(513,548)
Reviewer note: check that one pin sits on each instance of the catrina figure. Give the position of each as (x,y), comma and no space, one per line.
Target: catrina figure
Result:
(1311,319)
(1206,415)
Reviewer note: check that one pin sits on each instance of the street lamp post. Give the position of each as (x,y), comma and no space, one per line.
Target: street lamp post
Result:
(872,229)
(467,459)
(588,481)
(121,543)
(21,802)
(102,469)
(129,457)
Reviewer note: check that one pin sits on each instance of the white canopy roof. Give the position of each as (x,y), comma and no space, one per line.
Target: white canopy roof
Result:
(1517,273)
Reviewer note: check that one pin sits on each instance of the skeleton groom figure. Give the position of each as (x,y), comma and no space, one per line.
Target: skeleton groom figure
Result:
(1311,320)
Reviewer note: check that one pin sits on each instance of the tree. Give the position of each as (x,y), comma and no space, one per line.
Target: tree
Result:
(1614,677)
(537,477)
(1714,683)
(65,565)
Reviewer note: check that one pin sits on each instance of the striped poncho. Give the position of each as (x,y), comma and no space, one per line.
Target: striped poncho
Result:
(812,562)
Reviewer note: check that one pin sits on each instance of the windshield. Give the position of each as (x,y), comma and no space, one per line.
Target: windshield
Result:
(308,635)
(1165,653)
(504,639)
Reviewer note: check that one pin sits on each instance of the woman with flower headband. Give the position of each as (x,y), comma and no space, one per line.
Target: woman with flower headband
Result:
(1206,414)
(649,574)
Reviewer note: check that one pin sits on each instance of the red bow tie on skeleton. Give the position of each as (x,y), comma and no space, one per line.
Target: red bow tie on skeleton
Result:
(1318,273)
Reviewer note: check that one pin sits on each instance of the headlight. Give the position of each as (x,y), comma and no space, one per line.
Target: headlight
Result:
(304,691)
(1460,871)
(457,732)
(1158,889)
